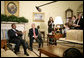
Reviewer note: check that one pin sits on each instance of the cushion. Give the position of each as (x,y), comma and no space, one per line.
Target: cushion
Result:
(76,35)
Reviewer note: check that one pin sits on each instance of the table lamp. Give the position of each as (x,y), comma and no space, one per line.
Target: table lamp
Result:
(58,21)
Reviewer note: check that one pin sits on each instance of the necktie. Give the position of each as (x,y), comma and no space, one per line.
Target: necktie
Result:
(34,33)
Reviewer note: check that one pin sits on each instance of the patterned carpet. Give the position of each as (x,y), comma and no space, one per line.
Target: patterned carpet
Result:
(34,53)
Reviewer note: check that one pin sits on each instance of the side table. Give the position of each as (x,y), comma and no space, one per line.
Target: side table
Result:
(4,44)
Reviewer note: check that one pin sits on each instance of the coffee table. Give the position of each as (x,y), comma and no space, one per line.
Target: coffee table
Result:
(52,51)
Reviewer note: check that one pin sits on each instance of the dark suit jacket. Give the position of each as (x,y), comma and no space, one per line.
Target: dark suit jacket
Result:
(50,25)
(81,22)
(50,29)
(12,35)
(31,32)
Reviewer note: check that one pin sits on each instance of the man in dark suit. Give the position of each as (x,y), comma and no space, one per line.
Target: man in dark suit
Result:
(33,34)
(15,36)
(79,22)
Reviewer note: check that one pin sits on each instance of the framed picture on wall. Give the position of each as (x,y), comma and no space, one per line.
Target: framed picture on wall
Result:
(12,8)
(68,13)
(38,16)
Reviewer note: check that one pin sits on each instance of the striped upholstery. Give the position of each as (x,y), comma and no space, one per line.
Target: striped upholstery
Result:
(4,34)
(75,35)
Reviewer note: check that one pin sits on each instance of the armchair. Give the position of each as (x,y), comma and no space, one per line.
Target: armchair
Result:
(4,36)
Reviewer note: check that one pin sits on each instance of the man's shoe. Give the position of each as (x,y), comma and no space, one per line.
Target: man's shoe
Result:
(15,53)
(26,54)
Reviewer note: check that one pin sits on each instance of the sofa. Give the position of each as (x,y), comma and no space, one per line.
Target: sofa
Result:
(73,39)
(75,36)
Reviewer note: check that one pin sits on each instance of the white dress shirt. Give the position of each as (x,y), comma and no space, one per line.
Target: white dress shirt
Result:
(15,31)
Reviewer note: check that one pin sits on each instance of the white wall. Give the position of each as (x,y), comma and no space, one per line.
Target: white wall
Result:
(26,9)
